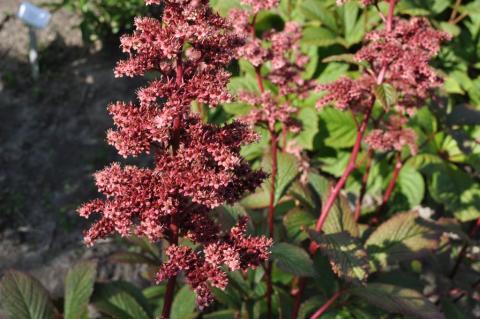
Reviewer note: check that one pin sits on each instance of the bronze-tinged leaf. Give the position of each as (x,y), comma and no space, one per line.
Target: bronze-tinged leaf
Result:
(346,254)
(398,300)
(403,237)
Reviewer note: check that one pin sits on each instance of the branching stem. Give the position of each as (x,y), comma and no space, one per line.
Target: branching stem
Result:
(327,305)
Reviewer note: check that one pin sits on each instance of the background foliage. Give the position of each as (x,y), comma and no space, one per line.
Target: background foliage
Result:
(405,266)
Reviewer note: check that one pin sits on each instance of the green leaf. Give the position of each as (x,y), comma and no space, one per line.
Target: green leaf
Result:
(455,189)
(398,300)
(24,297)
(222,314)
(403,237)
(183,306)
(257,200)
(296,222)
(411,184)
(386,95)
(316,10)
(340,217)
(287,170)
(346,254)
(340,128)
(121,300)
(309,118)
(292,259)
(320,37)
(78,289)
(132,258)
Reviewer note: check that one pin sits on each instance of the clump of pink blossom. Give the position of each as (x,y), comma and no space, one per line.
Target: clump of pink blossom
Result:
(393,136)
(196,166)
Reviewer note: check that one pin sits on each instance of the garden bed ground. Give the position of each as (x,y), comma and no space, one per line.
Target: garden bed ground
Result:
(52,138)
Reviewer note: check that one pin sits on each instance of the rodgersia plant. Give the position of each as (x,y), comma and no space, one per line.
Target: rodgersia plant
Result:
(197,166)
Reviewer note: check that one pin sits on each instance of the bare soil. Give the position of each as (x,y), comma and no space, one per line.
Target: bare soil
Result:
(52,138)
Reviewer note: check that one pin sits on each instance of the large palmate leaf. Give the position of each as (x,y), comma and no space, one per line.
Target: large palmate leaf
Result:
(78,289)
(292,259)
(121,300)
(398,300)
(402,237)
(345,253)
(24,297)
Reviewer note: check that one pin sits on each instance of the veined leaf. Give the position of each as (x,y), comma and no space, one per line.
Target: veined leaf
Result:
(320,36)
(24,297)
(183,306)
(402,237)
(340,127)
(316,10)
(293,260)
(121,300)
(398,300)
(345,253)
(78,289)
(309,118)
(287,170)
(411,184)
(296,222)
(340,217)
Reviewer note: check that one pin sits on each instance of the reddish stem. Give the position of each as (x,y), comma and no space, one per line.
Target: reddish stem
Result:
(326,305)
(298,297)
(170,292)
(391,185)
(473,231)
(391,10)
(348,170)
(271,213)
(258,76)
(363,190)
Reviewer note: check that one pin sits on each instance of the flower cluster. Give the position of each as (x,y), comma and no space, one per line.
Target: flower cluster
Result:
(400,58)
(236,250)
(393,136)
(405,53)
(197,166)
(268,111)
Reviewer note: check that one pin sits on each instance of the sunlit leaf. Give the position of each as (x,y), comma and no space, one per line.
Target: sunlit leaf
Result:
(398,300)
(404,236)
(78,289)
(346,254)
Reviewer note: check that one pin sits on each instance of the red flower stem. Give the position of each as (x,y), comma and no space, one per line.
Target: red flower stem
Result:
(348,170)
(170,292)
(258,75)
(391,184)
(298,297)
(391,10)
(363,190)
(326,305)
(271,213)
